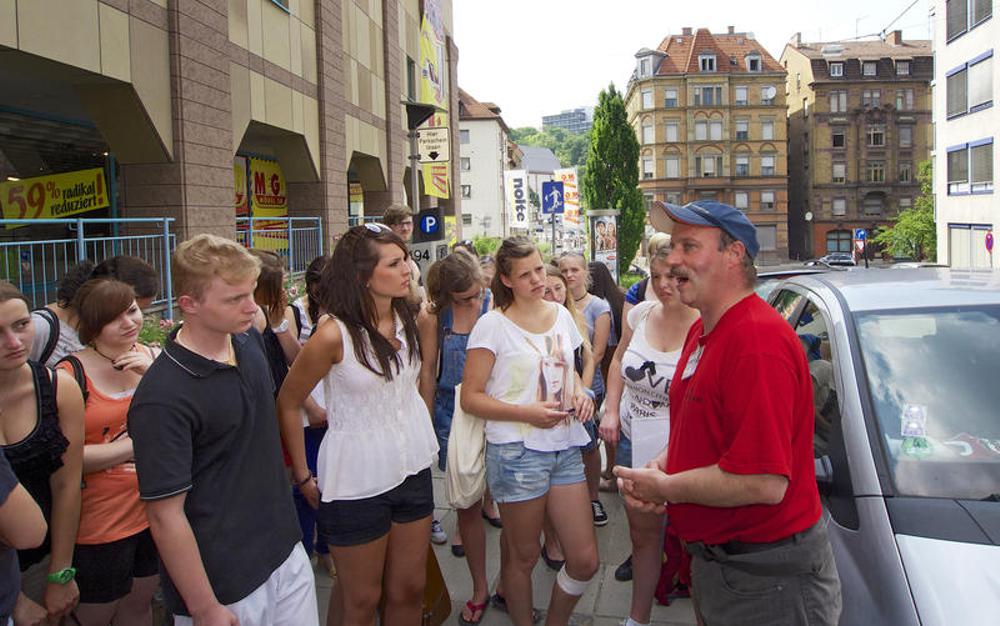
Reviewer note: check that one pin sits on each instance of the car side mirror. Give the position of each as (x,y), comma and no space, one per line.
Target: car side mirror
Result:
(824,474)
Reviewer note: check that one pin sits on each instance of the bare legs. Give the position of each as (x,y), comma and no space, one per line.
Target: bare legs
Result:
(473,536)
(646,531)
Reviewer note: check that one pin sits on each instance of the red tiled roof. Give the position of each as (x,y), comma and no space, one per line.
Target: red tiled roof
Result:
(868,50)
(472,109)
(682,53)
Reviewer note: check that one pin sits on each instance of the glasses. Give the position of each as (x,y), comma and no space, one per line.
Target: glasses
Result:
(472,298)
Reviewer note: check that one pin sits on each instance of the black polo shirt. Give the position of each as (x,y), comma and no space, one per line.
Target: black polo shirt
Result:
(211,430)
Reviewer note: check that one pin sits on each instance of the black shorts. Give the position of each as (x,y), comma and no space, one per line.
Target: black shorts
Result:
(104,571)
(346,523)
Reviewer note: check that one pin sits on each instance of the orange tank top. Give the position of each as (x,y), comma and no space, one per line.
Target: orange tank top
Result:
(110,508)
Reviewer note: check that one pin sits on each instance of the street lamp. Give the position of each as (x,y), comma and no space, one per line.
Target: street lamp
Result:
(416,114)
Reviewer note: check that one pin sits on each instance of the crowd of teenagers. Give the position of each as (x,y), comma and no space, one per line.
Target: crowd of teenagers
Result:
(266,433)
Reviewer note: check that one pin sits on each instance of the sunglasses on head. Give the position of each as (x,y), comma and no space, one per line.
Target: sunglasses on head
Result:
(375,227)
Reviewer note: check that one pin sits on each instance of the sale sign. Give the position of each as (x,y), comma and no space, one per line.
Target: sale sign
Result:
(54,196)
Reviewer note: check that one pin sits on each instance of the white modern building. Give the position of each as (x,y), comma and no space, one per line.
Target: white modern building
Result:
(485,152)
(967,124)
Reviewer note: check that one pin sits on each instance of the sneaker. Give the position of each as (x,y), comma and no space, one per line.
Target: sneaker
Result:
(600,516)
(623,573)
(438,535)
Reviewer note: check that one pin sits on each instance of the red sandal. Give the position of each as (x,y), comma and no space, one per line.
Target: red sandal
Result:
(474,608)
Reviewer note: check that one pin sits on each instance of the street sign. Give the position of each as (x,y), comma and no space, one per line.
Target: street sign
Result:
(552,197)
(860,234)
(432,144)
(427,253)
(860,245)
(989,242)
(429,224)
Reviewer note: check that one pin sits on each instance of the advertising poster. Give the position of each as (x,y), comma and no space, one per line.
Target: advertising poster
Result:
(604,236)
(515,184)
(356,200)
(268,198)
(433,89)
(571,195)
(241,201)
(54,196)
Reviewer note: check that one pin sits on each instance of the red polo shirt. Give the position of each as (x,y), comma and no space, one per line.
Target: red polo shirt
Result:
(747,407)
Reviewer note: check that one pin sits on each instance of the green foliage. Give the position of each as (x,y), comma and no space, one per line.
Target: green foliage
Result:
(486,245)
(628,279)
(154,330)
(913,233)
(612,176)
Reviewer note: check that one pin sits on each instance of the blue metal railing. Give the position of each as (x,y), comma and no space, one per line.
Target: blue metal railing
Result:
(37,265)
(274,233)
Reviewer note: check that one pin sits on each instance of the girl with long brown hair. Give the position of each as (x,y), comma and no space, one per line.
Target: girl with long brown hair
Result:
(373,484)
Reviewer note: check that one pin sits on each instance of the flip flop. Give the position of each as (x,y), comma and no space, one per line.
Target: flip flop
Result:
(474,608)
(500,603)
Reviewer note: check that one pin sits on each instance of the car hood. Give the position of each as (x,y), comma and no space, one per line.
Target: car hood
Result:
(952,582)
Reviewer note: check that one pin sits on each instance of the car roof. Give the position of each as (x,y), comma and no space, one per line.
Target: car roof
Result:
(876,289)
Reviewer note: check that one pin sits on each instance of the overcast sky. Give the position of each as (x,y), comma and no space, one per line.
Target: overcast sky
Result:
(539,57)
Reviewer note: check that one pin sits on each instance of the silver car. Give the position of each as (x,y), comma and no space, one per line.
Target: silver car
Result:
(906,388)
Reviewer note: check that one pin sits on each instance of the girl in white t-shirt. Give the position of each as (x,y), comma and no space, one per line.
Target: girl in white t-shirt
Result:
(373,487)
(519,376)
(637,414)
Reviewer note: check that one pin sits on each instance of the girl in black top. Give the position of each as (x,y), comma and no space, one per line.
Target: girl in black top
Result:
(41,434)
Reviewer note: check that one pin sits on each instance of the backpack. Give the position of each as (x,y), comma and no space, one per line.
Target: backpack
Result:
(78,374)
(54,326)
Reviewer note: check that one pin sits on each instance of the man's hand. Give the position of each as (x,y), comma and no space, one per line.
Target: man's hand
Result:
(543,414)
(610,426)
(214,615)
(660,462)
(61,599)
(643,488)
(28,613)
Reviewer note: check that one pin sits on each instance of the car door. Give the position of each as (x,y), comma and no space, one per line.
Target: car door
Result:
(873,583)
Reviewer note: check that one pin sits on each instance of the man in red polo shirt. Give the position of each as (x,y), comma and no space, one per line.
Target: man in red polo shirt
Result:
(738,474)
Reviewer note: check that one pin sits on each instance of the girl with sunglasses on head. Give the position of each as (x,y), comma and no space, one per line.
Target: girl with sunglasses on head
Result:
(115,557)
(41,434)
(456,300)
(373,485)
(637,416)
(519,377)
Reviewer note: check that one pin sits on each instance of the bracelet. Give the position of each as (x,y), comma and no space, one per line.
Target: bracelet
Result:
(302,482)
(280,328)
(590,393)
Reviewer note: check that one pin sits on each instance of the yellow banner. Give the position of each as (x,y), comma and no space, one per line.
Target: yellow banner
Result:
(54,196)
(268,198)
(571,195)
(356,199)
(433,89)
(240,200)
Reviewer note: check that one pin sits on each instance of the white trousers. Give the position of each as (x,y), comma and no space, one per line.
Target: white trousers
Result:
(287,597)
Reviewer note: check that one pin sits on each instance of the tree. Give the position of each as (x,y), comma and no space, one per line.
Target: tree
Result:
(612,177)
(569,148)
(913,233)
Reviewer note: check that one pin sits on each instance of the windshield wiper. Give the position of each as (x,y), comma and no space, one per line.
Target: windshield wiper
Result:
(993,497)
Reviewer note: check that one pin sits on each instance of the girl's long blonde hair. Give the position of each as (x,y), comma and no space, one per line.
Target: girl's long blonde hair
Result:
(581,324)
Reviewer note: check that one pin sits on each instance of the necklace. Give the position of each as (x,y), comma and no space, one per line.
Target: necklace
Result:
(111,360)
(581,298)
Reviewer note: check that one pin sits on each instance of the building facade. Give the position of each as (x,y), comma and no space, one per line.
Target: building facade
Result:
(486,152)
(967,124)
(859,123)
(578,120)
(709,112)
(168,96)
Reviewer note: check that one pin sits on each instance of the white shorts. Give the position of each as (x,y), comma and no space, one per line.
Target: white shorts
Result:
(287,597)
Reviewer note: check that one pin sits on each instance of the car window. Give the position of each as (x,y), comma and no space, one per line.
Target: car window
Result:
(812,329)
(786,302)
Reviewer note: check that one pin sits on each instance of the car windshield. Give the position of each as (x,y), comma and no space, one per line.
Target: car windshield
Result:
(932,375)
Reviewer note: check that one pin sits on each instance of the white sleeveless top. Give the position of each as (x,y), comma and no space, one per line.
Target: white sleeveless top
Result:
(379,432)
(646,373)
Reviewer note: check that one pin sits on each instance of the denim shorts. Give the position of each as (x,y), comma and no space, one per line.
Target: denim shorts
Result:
(623,451)
(516,474)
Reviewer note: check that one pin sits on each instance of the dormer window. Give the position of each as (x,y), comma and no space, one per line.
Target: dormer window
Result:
(869,68)
(902,68)
(706,62)
(645,65)
(836,70)
(753,63)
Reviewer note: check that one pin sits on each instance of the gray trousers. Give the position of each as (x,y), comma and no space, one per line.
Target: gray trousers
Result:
(792,582)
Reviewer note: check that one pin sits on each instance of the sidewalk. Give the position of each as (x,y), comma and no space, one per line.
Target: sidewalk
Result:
(606,603)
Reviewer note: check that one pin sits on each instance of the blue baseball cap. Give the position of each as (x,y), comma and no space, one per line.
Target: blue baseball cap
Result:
(707,213)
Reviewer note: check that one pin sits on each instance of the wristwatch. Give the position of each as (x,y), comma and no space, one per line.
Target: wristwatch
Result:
(63,576)
(280,328)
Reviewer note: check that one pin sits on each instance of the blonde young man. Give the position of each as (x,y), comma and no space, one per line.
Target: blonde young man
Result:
(208,455)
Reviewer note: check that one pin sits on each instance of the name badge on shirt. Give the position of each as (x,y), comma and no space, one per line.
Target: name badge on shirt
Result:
(692,363)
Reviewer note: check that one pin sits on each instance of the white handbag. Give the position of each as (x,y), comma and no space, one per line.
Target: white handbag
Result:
(465,471)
